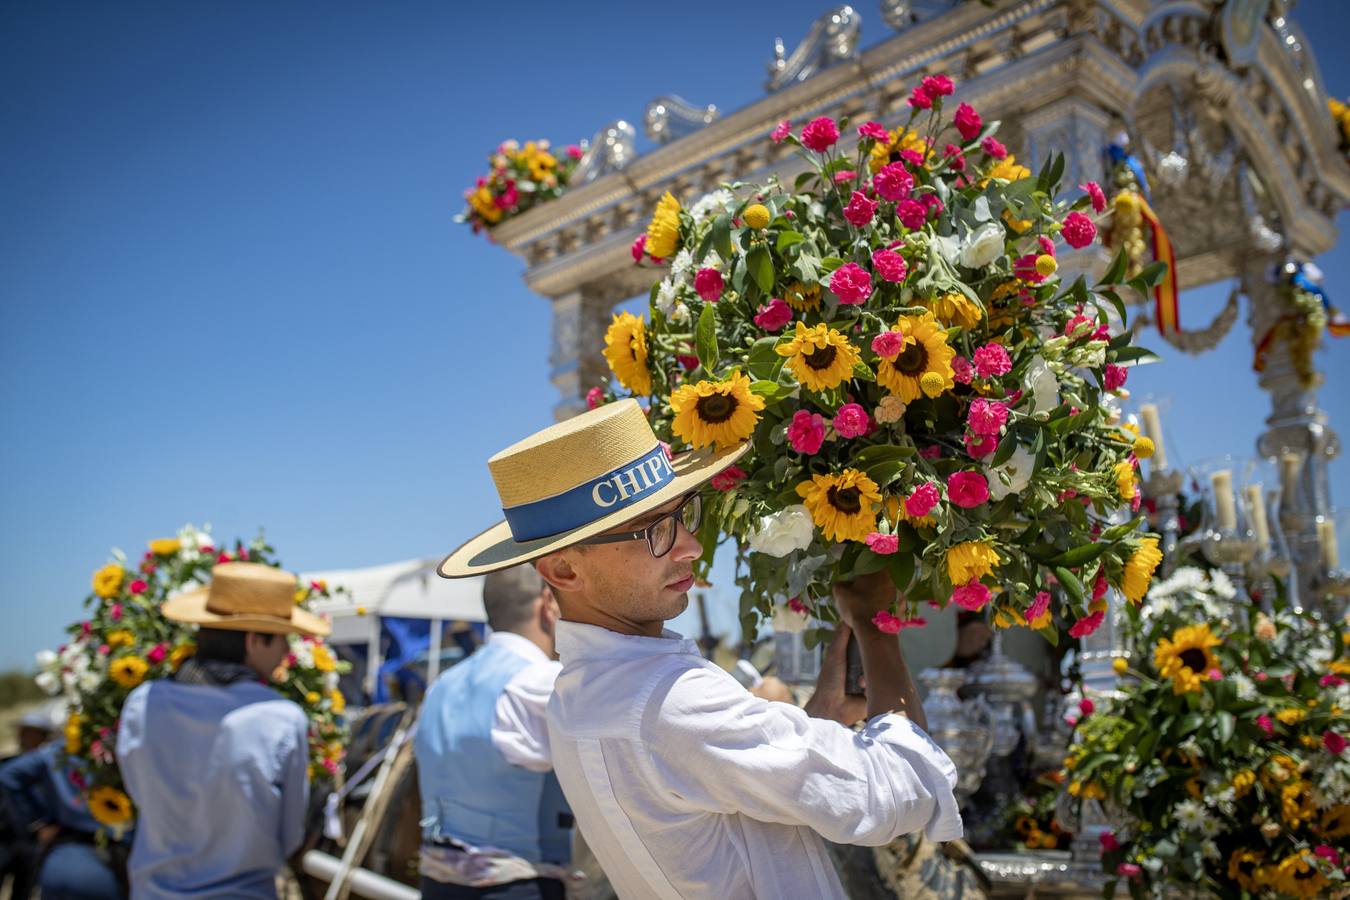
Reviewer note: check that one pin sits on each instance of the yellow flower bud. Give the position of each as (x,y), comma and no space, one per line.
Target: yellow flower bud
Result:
(1126,203)
(757,215)
(312,698)
(1120,665)
(1143,447)
(1046,265)
(931,383)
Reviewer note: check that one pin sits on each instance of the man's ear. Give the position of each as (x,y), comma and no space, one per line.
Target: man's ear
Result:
(559,573)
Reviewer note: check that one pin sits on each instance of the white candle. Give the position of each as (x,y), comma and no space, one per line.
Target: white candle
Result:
(1326,537)
(1256,502)
(1222,483)
(1290,463)
(1153,431)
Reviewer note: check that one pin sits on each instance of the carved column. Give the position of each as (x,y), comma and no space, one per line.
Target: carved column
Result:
(580,318)
(1073,126)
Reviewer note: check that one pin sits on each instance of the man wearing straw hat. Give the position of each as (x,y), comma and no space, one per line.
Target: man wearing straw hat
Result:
(684,784)
(216,760)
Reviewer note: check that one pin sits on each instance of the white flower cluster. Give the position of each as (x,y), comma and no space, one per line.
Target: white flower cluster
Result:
(1190,588)
(72,670)
(780,533)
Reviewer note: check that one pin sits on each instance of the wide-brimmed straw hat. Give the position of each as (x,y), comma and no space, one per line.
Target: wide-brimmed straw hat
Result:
(578,478)
(245,596)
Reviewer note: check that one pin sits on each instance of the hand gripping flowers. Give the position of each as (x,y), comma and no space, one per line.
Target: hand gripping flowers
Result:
(922,390)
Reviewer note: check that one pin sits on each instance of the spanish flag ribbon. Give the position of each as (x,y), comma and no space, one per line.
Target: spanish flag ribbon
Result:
(1165,293)
(1337,324)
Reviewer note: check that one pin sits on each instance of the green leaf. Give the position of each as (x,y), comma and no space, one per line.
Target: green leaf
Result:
(830,263)
(1070,582)
(883,473)
(1116,532)
(1227,724)
(1006,448)
(882,453)
(1116,271)
(803,180)
(1134,354)
(1080,555)
(706,338)
(721,237)
(788,239)
(900,566)
(868,562)
(863,372)
(761,267)
(762,360)
(771,391)
(1152,275)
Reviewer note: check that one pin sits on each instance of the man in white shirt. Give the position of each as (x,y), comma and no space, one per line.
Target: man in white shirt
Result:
(686,785)
(493,817)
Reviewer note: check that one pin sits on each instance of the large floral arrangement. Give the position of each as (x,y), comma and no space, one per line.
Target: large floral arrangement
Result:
(520,178)
(1224,752)
(126,641)
(924,393)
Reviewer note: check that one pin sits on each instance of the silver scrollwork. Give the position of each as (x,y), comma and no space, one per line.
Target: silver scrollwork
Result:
(611,151)
(902,13)
(832,39)
(669,118)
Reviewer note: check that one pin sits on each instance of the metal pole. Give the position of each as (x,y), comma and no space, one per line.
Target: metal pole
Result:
(363,882)
(434,651)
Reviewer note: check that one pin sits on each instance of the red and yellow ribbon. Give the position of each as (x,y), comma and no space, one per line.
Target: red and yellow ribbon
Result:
(1165,293)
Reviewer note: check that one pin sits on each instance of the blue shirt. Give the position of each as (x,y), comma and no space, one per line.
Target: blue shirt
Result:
(40,792)
(220,780)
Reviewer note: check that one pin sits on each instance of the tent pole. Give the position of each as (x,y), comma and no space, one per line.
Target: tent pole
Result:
(434,651)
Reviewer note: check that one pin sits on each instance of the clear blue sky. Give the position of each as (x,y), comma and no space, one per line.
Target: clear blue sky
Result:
(231,290)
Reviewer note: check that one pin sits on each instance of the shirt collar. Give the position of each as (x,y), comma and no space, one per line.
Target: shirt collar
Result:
(519,645)
(577,641)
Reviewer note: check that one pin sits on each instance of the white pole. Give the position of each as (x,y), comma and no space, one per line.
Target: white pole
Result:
(434,651)
(363,882)
(373,660)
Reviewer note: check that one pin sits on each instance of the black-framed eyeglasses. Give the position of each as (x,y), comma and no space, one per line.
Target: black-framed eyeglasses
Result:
(660,535)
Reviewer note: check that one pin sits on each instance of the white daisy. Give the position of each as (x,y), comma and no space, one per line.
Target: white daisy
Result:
(682,266)
(667,295)
(1190,815)
(711,204)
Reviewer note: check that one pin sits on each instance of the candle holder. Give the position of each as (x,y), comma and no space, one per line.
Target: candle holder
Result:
(1163,485)
(1231,551)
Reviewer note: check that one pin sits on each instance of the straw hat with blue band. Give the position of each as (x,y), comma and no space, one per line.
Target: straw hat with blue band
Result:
(577,479)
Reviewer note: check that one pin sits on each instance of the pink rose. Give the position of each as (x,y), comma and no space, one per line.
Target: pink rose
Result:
(993,148)
(859,210)
(638,246)
(971,597)
(708,285)
(968,122)
(888,344)
(932,451)
(911,214)
(820,134)
(887,622)
(893,182)
(919,99)
(1334,743)
(883,544)
(728,478)
(575,152)
(890,266)
(115,613)
(137,587)
(992,360)
(852,421)
(1108,841)
(967,489)
(1086,625)
(781,131)
(1094,192)
(978,445)
(986,417)
(851,284)
(157,654)
(1078,231)
(844,175)
(1086,707)
(774,315)
(962,371)
(874,130)
(806,432)
(921,502)
(1115,376)
(594,397)
(936,86)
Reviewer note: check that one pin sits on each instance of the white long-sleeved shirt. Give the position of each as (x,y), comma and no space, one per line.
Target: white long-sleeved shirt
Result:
(687,786)
(519,725)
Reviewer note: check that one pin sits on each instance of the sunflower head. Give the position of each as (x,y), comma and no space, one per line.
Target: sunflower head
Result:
(1139,569)
(801,297)
(128,671)
(72,733)
(970,561)
(165,546)
(954,308)
(180,655)
(1008,169)
(663,232)
(1187,658)
(1298,876)
(883,154)
(626,352)
(843,505)
(820,357)
(1335,822)
(1242,866)
(110,806)
(108,580)
(1125,486)
(715,412)
(928,355)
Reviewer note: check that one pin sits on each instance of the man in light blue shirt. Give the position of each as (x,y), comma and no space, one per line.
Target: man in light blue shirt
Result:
(214,758)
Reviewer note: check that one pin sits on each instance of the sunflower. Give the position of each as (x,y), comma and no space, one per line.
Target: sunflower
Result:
(323,659)
(954,309)
(1139,569)
(889,152)
(820,357)
(970,561)
(626,352)
(108,580)
(128,671)
(165,546)
(924,367)
(1296,803)
(801,297)
(1242,866)
(1335,822)
(482,202)
(663,233)
(338,701)
(1008,169)
(72,733)
(715,412)
(1187,658)
(1125,480)
(1243,781)
(120,638)
(180,655)
(842,505)
(109,806)
(1299,876)
(895,511)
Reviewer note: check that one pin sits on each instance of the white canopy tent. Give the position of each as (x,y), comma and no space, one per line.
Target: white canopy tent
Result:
(409,589)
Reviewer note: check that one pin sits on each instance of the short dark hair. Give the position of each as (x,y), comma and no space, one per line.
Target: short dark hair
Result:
(223,645)
(509,595)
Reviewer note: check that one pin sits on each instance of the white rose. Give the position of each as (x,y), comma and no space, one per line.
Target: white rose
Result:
(46,659)
(666,297)
(89,680)
(1018,467)
(48,682)
(984,245)
(782,532)
(1042,384)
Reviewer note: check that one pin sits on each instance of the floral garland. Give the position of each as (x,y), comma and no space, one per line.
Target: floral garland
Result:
(520,179)
(126,641)
(1224,751)
(1340,113)
(923,393)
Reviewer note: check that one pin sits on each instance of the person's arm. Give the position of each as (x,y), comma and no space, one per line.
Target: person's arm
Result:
(22,780)
(887,680)
(520,722)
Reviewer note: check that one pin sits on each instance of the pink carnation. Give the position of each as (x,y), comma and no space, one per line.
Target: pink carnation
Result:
(919,99)
(912,157)
(932,451)
(1086,625)
(962,371)
(852,421)
(911,214)
(115,613)
(1108,841)
(708,284)
(967,489)
(851,284)
(157,654)
(992,360)
(1078,231)
(638,246)
(689,361)
(890,266)
(987,418)
(921,502)
(1094,192)
(1331,681)
(1099,586)
(137,587)
(979,445)
(893,182)
(883,544)
(773,315)
(1047,246)
(575,152)
(968,122)
(1115,376)
(971,597)
(806,432)
(1040,605)
(887,622)
(874,130)
(1086,707)
(780,131)
(1129,870)
(1329,853)
(509,197)
(860,209)
(932,204)
(953,153)
(993,148)
(888,344)
(843,175)
(820,134)
(594,397)
(797,606)
(1334,743)
(937,86)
